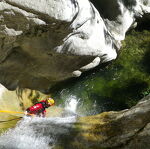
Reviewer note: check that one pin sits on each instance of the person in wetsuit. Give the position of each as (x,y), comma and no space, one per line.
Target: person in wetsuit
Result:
(39,109)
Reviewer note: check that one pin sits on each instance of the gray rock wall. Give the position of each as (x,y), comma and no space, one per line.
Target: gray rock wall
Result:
(127,129)
(45,42)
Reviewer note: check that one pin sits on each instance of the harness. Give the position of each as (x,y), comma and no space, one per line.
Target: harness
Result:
(42,109)
(44,105)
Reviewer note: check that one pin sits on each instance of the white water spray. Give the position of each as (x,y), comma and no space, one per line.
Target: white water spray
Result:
(36,133)
(71,103)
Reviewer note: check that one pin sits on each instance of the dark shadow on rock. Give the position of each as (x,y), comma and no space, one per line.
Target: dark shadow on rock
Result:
(143,23)
(70,82)
(129,3)
(105,8)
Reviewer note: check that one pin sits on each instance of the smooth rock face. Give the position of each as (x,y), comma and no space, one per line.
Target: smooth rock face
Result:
(126,129)
(45,42)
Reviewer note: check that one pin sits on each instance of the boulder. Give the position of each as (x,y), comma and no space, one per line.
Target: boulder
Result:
(45,42)
(125,129)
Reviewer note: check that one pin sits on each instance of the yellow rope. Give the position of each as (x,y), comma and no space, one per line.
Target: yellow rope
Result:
(14,112)
(11,112)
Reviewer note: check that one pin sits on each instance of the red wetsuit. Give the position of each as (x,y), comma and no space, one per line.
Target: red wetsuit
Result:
(38,108)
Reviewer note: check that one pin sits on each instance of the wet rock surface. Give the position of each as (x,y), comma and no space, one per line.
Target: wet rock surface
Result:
(42,43)
(125,129)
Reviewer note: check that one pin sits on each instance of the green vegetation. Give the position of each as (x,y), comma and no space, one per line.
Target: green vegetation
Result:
(120,84)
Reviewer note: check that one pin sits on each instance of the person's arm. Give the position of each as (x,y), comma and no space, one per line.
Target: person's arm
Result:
(27,112)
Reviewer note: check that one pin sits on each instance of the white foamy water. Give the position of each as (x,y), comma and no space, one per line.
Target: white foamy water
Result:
(71,103)
(41,133)
(36,133)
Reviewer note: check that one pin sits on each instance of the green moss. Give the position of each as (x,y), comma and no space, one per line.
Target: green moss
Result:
(127,78)
(120,84)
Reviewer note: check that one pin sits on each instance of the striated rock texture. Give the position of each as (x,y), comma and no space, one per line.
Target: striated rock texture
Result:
(127,129)
(45,42)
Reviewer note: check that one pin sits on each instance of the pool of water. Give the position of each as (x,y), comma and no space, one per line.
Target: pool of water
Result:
(114,86)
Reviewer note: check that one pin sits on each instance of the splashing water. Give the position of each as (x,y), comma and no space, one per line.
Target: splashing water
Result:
(71,103)
(36,133)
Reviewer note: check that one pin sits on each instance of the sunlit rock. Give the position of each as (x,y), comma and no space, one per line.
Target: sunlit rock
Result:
(45,42)
(120,15)
(126,129)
